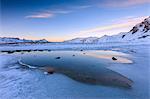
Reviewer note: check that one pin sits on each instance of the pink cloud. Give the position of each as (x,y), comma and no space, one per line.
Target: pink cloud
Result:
(41,15)
(50,13)
(125,3)
(117,26)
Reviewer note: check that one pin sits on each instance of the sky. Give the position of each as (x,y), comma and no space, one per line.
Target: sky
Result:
(59,20)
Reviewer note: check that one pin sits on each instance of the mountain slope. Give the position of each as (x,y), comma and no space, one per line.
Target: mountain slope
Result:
(4,40)
(83,40)
(139,33)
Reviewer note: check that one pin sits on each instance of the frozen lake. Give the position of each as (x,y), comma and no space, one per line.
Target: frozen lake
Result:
(77,74)
(83,66)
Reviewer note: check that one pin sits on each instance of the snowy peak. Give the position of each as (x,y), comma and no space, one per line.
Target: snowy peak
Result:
(83,40)
(142,27)
(4,40)
(140,32)
(41,41)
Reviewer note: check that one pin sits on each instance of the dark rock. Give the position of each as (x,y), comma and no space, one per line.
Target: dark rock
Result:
(49,70)
(134,30)
(73,55)
(141,25)
(29,51)
(40,50)
(18,51)
(49,50)
(4,51)
(26,50)
(123,36)
(81,50)
(132,51)
(143,36)
(57,57)
(146,26)
(113,58)
(10,52)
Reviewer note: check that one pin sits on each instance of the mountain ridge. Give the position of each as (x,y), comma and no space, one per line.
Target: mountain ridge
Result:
(139,33)
(11,40)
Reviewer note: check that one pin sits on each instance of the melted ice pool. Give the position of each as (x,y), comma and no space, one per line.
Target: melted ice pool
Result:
(88,67)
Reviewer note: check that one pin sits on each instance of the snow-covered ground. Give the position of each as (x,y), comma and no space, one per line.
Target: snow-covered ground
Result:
(23,83)
(64,46)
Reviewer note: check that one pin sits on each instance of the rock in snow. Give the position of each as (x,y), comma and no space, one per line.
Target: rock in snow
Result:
(113,58)
(57,58)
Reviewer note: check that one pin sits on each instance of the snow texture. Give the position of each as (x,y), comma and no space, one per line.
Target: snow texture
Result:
(139,33)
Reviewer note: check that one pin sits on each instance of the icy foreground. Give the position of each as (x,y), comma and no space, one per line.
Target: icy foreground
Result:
(22,83)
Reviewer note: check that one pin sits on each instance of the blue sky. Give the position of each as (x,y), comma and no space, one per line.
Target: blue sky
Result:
(58,20)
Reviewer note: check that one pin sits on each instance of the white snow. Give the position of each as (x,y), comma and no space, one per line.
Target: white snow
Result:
(19,83)
(139,33)
(64,46)
(4,40)
(83,40)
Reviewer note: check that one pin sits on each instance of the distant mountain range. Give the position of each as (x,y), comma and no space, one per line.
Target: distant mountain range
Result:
(139,33)
(9,40)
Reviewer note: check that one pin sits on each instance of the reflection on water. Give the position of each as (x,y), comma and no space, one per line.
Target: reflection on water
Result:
(109,54)
(86,68)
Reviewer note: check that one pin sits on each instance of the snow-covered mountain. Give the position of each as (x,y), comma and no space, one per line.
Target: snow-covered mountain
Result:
(83,40)
(4,40)
(139,33)
(41,41)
